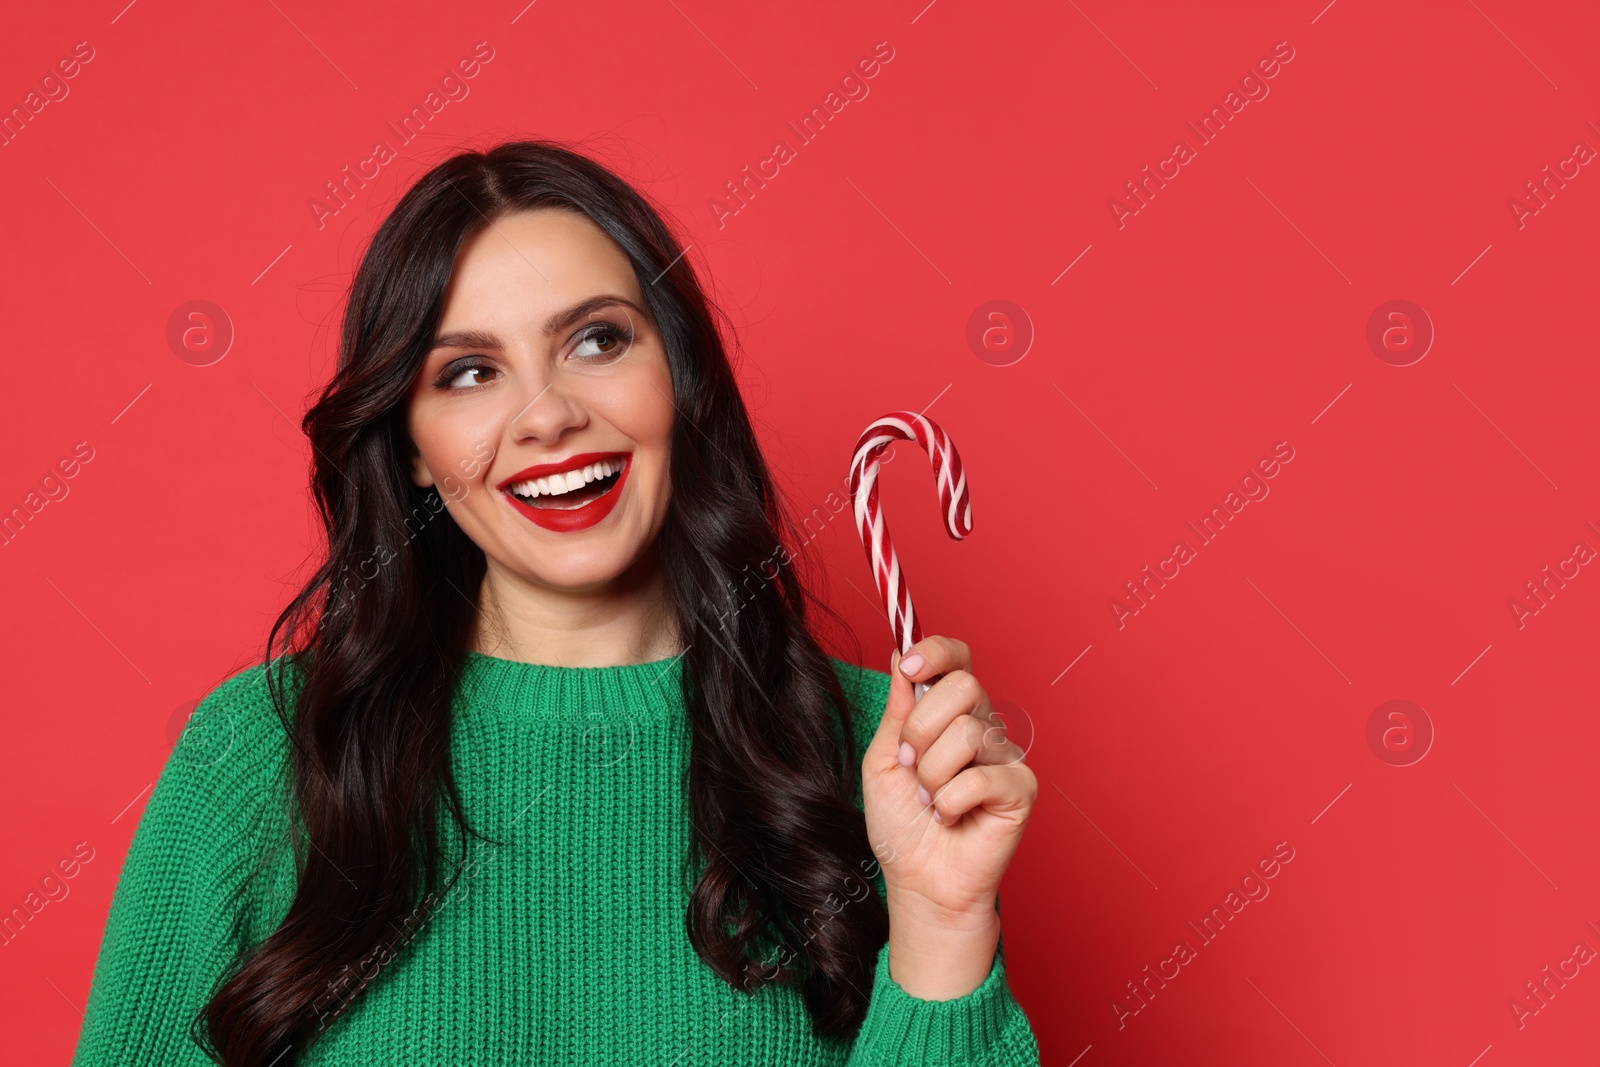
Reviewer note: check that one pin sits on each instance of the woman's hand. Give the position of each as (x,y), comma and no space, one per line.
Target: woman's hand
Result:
(942,861)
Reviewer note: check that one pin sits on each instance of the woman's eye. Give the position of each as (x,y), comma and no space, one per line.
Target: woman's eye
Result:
(602,342)
(464,378)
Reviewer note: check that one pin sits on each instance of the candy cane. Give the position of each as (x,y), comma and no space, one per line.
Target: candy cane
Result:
(953,501)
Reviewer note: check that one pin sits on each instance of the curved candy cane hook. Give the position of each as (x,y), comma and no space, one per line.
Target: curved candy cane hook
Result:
(954,502)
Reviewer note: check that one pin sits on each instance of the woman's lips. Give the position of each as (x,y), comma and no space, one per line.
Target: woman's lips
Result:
(571,463)
(567,520)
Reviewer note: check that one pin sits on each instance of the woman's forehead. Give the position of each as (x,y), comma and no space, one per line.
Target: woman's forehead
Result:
(548,255)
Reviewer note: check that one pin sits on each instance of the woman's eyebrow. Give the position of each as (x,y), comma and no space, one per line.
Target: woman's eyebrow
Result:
(466,339)
(562,319)
(559,321)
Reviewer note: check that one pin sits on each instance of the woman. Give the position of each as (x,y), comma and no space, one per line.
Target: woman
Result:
(543,613)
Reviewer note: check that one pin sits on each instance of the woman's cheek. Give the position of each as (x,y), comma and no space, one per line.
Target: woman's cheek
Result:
(660,420)
(641,402)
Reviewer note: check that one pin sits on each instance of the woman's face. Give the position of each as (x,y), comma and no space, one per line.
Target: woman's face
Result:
(546,357)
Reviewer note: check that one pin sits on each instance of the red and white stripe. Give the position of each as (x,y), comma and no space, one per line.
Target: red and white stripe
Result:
(954,503)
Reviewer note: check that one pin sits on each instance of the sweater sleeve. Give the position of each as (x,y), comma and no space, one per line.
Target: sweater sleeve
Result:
(175,918)
(986,1026)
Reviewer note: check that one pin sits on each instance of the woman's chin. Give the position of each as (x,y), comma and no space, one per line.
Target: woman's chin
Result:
(576,569)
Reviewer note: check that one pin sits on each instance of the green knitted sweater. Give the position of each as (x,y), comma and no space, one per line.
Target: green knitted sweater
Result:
(565,946)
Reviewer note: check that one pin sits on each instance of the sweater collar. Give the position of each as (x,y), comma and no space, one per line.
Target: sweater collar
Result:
(541,691)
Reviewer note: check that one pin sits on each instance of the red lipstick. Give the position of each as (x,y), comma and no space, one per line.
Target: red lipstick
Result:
(572,519)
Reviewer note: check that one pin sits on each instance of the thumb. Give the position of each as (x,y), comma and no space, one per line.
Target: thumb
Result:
(885,745)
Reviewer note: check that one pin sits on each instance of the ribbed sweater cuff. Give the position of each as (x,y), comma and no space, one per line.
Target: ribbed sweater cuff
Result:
(903,1029)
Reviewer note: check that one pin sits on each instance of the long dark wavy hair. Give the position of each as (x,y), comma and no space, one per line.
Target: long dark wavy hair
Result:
(773,773)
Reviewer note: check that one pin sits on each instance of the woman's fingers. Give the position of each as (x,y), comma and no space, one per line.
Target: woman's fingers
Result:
(940,655)
(957,693)
(1000,789)
(968,739)
(884,747)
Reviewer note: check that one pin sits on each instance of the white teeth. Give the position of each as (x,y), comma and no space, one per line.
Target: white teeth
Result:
(557,484)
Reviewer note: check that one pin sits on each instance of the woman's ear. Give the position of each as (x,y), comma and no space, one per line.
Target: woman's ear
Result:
(420,474)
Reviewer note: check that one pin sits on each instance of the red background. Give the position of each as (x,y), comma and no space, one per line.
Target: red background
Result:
(1222,318)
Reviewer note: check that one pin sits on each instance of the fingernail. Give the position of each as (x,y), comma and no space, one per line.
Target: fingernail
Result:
(923,796)
(911,664)
(937,817)
(908,755)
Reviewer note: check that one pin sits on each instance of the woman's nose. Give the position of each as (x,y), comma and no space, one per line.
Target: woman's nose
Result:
(546,412)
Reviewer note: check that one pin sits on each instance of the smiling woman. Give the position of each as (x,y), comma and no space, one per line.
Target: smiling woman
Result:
(546,348)
(549,786)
